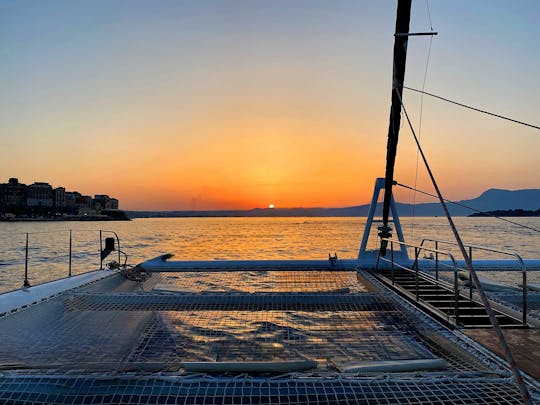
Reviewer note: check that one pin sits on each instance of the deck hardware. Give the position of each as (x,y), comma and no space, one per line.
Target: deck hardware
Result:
(109,247)
(332,259)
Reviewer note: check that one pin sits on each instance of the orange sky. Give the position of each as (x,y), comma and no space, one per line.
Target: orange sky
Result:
(236,105)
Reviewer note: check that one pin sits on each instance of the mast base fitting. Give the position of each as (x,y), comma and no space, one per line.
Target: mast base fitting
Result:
(385,232)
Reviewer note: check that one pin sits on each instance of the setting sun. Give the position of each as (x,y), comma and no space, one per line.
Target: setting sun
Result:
(271,206)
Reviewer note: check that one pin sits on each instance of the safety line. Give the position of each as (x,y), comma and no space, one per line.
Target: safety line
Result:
(494,322)
(468,207)
(472,108)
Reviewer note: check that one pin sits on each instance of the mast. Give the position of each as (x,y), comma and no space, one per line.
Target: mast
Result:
(398,74)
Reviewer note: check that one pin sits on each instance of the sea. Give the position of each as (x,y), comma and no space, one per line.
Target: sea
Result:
(230,239)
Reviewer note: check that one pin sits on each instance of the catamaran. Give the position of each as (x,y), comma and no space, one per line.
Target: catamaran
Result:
(405,323)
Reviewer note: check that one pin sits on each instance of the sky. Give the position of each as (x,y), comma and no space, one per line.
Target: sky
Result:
(244,103)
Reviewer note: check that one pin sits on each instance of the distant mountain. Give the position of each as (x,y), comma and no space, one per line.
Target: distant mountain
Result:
(490,200)
(507,213)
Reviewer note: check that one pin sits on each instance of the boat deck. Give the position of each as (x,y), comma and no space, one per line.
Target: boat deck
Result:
(525,346)
(116,341)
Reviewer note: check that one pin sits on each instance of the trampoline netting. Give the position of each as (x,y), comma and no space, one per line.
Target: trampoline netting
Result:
(78,340)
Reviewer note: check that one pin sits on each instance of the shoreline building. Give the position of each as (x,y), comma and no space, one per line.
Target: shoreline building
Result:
(13,194)
(59,197)
(41,198)
(104,202)
(40,194)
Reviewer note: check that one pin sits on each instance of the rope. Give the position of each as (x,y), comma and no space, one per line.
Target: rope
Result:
(469,208)
(494,322)
(420,125)
(472,108)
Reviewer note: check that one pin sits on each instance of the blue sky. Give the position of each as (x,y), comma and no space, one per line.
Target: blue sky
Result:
(235,104)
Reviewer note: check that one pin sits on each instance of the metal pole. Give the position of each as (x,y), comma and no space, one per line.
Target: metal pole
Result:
(524,294)
(470,276)
(403,15)
(437,261)
(26,283)
(392,257)
(69,271)
(416,252)
(456,295)
(118,243)
(100,250)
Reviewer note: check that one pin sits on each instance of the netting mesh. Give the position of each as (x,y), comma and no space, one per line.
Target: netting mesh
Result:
(97,330)
(46,389)
(263,281)
(124,329)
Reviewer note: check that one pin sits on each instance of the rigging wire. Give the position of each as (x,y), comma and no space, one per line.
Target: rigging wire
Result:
(468,207)
(472,273)
(420,122)
(429,15)
(473,108)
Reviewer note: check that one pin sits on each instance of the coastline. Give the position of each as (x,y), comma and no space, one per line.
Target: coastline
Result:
(84,219)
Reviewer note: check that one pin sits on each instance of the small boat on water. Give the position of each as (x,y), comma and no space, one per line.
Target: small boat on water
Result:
(390,326)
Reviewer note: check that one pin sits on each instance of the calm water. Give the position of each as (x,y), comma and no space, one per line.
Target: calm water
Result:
(225,238)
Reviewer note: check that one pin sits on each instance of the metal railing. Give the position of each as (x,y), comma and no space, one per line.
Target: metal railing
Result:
(26,282)
(472,247)
(69,257)
(417,250)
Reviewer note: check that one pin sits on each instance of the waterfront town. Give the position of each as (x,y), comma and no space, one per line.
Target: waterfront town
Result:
(40,200)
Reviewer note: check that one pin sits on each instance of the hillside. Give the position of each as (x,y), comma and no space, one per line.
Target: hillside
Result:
(490,200)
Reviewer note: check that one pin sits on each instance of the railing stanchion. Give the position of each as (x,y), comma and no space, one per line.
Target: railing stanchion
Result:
(416,253)
(26,283)
(392,257)
(436,260)
(524,293)
(470,279)
(70,244)
(100,250)
(118,242)
(456,294)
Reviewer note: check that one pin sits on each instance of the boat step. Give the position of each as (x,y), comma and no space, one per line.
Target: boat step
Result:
(441,299)
(465,311)
(478,320)
(427,291)
(462,304)
(413,284)
(509,326)
(424,290)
